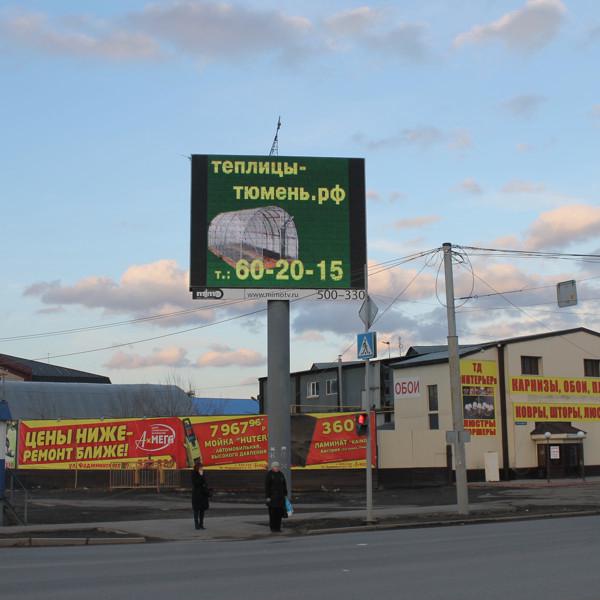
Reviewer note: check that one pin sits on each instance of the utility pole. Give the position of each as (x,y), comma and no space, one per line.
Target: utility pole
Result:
(458,434)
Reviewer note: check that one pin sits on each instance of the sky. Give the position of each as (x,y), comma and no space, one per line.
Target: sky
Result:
(479,123)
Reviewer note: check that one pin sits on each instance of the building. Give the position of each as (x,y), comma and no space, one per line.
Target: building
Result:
(532,402)
(318,388)
(13,368)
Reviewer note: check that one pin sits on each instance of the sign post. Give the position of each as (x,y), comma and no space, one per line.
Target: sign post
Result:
(367,349)
(4,418)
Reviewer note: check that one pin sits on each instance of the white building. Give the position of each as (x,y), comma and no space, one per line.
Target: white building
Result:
(533,400)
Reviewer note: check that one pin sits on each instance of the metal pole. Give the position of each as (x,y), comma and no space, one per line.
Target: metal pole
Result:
(340,398)
(279,389)
(3,432)
(458,424)
(367,407)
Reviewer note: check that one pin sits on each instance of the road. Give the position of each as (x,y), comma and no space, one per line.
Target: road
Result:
(549,559)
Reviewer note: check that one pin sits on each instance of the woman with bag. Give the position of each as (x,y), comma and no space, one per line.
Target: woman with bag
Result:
(200,494)
(276,496)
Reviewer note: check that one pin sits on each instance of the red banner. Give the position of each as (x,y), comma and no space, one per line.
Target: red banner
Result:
(319,441)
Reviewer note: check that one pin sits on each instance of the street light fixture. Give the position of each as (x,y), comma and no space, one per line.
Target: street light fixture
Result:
(580,437)
(389,348)
(547,435)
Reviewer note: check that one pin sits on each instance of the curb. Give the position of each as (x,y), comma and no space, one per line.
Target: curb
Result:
(63,541)
(449,523)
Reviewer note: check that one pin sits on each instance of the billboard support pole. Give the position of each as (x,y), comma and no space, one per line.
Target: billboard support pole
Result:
(367,407)
(279,386)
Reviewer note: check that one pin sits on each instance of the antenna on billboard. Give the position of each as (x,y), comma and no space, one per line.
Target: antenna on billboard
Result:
(275,144)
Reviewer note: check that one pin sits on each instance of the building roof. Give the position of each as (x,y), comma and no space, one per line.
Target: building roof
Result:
(43,400)
(325,366)
(33,370)
(225,406)
(426,355)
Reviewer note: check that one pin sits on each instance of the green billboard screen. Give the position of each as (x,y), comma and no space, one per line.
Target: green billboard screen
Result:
(277,222)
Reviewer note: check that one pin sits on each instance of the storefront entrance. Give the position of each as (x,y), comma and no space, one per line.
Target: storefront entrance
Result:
(562,459)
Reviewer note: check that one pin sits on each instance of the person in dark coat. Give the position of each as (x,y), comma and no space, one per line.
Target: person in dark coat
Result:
(200,494)
(275,494)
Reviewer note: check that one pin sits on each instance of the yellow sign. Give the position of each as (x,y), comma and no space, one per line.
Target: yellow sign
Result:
(479,380)
(528,411)
(536,385)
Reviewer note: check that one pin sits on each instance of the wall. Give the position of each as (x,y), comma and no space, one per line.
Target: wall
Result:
(562,356)
(412,444)
(9,376)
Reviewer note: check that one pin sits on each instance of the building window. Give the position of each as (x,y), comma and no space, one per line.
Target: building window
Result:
(434,421)
(432,399)
(591,367)
(331,387)
(312,390)
(530,365)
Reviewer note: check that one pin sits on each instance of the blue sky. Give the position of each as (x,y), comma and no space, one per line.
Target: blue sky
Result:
(479,123)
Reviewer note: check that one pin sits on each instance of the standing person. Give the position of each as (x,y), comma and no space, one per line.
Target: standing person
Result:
(275,494)
(200,494)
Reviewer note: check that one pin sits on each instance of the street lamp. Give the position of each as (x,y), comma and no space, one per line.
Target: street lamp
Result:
(547,435)
(389,349)
(580,436)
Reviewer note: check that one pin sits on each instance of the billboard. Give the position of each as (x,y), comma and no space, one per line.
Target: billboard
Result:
(324,440)
(479,383)
(277,223)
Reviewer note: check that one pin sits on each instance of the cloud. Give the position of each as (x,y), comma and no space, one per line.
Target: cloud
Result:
(159,287)
(523,106)
(219,31)
(470,186)
(392,198)
(359,27)
(224,356)
(90,39)
(525,30)
(310,336)
(167,357)
(523,147)
(518,186)
(421,137)
(352,22)
(416,222)
(564,226)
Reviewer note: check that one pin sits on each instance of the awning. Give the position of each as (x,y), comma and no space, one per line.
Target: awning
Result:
(558,430)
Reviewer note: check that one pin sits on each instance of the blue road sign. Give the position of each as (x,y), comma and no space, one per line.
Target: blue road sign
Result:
(366,345)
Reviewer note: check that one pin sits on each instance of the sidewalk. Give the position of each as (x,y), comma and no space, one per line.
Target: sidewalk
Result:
(500,500)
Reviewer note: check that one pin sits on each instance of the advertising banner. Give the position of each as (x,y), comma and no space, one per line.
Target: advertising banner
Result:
(479,382)
(100,444)
(327,440)
(536,385)
(530,411)
(277,223)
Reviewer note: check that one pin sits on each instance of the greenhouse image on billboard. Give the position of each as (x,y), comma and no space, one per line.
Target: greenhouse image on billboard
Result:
(267,233)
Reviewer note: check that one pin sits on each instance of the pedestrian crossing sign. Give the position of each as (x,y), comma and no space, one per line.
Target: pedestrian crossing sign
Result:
(366,345)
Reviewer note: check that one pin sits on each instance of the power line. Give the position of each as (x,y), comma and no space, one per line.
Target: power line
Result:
(187,330)
(376,267)
(530,316)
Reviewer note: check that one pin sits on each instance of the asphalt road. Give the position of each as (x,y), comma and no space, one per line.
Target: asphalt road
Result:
(549,559)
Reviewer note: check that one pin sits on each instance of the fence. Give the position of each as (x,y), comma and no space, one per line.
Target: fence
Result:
(145,479)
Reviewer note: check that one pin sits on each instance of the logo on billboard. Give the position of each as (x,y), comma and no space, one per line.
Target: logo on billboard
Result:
(158,437)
